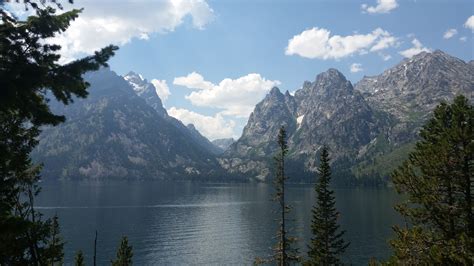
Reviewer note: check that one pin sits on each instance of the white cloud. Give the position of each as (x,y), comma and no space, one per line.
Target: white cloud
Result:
(118,22)
(463,39)
(416,49)
(450,33)
(213,127)
(318,43)
(383,6)
(193,80)
(161,88)
(235,97)
(385,57)
(386,41)
(356,68)
(469,23)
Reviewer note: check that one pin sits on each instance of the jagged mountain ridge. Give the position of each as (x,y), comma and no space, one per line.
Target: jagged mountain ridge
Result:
(114,133)
(122,129)
(368,128)
(412,88)
(327,111)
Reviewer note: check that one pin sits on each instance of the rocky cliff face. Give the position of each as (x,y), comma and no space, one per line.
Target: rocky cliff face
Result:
(411,90)
(115,134)
(327,111)
(369,128)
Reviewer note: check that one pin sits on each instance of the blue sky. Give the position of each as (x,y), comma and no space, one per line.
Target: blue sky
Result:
(237,50)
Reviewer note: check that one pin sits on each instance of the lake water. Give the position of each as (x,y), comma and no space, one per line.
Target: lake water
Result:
(186,223)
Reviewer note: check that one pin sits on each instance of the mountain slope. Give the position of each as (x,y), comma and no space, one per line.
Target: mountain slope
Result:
(146,90)
(223,144)
(116,134)
(411,89)
(369,128)
(327,111)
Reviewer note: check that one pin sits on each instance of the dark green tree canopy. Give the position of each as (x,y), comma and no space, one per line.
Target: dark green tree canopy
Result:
(29,73)
(327,243)
(438,182)
(124,254)
(29,65)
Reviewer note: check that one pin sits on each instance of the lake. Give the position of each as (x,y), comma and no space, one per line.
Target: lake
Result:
(180,223)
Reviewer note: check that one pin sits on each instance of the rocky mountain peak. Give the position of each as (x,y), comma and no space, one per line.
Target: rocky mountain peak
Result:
(330,75)
(412,88)
(145,90)
(275,93)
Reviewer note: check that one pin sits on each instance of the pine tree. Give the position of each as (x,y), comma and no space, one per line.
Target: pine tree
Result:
(124,254)
(284,253)
(79,259)
(29,74)
(327,243)
(437,180)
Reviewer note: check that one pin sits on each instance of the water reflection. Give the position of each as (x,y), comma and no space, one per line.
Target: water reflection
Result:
(199,223)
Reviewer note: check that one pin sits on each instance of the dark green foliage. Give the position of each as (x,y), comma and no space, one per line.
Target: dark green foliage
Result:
(79,259)
(29,70)
(29,67)
(327,243)
(24,237)
(437,180)
(124,254)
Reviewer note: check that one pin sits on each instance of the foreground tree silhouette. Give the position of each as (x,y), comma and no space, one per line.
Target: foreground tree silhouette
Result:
(327,243)
(437,180)
(79,259)
(124,254)
(29,74)
(284,253)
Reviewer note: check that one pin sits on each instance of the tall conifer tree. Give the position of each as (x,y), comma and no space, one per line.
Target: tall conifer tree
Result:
(29,74)
(79,259)
(124,254)
(284,252)
(437,180)
(327,243)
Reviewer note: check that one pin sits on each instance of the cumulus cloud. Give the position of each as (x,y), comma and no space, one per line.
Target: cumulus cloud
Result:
(416,49)
(463,39)
(383,6)
(318,43)
(161,88)
(469,23)
(356,68)
(194,81)
(213,127)
(235,97)
(118,22)
(450,33)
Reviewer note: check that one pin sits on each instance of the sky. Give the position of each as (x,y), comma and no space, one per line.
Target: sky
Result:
(212,61)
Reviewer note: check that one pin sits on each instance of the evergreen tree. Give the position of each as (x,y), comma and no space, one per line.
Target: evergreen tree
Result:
(79,259)
(283,251)
(437,180)
(327,243)
(124,254)
(29,74)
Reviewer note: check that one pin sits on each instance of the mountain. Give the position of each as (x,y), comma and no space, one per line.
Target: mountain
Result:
(223,144)
(411,90)
(114,133)
(146,90)
(369,128)
(327,111)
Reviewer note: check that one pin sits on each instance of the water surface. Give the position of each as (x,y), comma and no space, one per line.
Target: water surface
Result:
(205,223)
